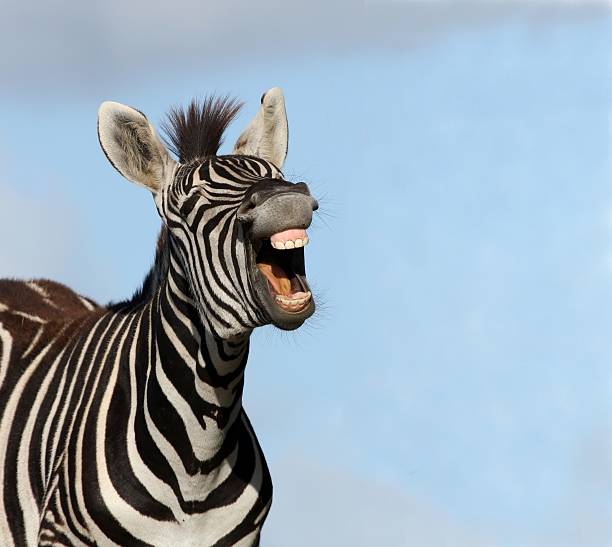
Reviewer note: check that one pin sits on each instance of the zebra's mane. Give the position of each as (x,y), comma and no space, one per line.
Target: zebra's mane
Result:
(191,133)
(196,132)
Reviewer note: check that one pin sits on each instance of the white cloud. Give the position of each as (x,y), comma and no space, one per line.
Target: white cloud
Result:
(89,46)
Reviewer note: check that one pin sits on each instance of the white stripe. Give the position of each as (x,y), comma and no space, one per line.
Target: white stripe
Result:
(42,292)
(28,316)
(50,450)
(33,342)
(141,526)
(89,368)
(86,303)
(99,536)
(157,488)
(27,500)
(5,356)
(5,429)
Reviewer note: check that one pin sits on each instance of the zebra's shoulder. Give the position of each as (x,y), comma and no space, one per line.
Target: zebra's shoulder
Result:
(43,300)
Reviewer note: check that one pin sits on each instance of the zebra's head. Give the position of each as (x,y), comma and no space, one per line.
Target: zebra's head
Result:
(236,227)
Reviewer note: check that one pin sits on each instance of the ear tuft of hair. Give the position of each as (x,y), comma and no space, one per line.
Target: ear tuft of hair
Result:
(196,132)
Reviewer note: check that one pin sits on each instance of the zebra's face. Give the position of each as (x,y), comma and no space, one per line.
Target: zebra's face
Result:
(240,230)
(237,227)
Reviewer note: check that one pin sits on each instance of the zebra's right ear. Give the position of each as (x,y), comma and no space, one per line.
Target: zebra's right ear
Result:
(131,145)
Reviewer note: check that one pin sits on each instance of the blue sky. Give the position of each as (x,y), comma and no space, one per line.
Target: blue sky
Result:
(456,389)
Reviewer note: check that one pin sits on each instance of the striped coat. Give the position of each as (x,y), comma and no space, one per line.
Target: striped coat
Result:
(123,424)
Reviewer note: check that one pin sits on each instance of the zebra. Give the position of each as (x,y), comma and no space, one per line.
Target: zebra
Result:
(123,424)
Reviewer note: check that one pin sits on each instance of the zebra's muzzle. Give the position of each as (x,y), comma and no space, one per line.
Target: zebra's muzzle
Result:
(272,211)
(275,216)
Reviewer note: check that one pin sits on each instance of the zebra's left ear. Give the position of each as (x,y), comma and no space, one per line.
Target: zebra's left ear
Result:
(131,145)
(267,135)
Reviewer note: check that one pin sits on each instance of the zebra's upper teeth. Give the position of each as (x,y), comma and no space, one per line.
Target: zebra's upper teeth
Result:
(289,239)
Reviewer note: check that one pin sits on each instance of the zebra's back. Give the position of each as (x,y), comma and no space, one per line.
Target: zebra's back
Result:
(39,322)
(42,301)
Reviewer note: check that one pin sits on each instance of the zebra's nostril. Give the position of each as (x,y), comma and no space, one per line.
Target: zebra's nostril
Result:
(246,210)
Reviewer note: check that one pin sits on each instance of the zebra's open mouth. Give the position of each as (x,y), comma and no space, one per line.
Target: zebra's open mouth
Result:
(280,261)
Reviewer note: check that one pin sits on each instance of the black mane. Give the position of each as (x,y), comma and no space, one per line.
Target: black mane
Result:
(194,132)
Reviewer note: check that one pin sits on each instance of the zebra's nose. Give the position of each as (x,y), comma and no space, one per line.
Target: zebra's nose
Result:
(268,213)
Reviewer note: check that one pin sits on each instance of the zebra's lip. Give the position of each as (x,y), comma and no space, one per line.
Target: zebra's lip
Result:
(280,281)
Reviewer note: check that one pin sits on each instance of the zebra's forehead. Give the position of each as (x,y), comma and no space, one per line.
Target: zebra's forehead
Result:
(228,169)
(248,166)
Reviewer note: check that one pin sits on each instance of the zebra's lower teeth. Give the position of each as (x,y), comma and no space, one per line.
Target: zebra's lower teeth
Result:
(295,302)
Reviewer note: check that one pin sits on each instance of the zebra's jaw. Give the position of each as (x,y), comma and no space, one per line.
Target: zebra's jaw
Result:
(280,279)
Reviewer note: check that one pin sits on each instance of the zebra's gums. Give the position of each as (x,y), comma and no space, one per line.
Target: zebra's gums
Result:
(123,424)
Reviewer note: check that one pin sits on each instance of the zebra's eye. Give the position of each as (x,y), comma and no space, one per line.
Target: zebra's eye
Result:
(193,199)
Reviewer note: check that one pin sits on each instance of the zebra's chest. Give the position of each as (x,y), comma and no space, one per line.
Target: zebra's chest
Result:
(101,518)
(125,502)
(194,531)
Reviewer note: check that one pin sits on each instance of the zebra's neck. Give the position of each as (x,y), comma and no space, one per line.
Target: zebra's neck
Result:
(194,381)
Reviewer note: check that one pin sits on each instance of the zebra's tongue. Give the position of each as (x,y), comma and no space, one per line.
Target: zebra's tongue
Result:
(277,277)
